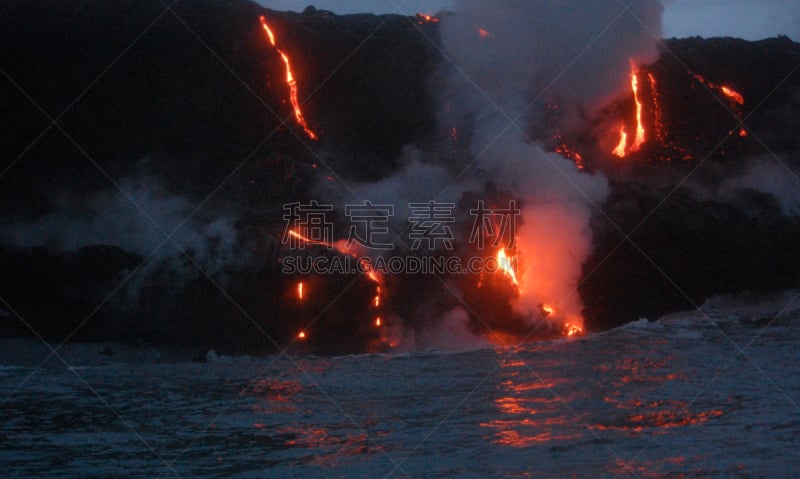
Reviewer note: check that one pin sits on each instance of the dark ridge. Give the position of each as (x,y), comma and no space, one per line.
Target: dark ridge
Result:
(211,117)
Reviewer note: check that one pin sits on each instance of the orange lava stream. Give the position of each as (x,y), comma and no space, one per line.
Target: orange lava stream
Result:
(657,113)
(623,143)
(622,148)
(504,263)
(733,95)
(290,81)
(424,18)
(637,142)
(365,265)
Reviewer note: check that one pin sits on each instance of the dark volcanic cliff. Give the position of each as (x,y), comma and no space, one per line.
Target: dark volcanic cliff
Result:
(194,101)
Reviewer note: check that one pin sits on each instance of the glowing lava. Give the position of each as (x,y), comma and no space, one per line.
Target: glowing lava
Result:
(658,116)
(727,91)
(483,33)
(366,267)
(309,240)
(623,142)
(504,264)
(564,150)
(732,94)
(622,148)
(423,18)
(572,330)
(637,142)
(290,81)
(301,335)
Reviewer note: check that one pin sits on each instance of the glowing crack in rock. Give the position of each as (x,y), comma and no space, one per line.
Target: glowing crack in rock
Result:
(290,81)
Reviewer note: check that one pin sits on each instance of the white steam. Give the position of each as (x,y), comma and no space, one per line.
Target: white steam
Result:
(767,176)
(506,64)
(126,220)
(510,53)
(512,59)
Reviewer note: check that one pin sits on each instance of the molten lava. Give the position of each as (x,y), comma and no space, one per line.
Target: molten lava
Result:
(572,330)
(622,148)
(290,81)
(423,18)
(727,91)
(309,240)
(658,115)
(301,335)
(504,265)
(637,142)
(732,94)
(564,150)
(483,33)
(623,142)
(366,267)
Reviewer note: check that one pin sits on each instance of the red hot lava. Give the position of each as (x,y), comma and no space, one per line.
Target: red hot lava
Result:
(290,81)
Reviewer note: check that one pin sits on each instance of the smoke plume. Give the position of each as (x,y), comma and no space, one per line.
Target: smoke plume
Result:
(125,218)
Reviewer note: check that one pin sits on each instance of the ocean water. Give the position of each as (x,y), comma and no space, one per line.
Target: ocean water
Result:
(704,394)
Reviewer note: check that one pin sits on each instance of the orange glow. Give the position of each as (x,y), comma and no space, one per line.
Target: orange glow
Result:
(504,263)
(637,142)
(301,335)
(623,143)
(572,330)
(657,113)
(290,81)
(660,420)
(564,150)
(733,95)
(423,18)
(548,309)
(342,247)
(483,33)
(527,414)
(622,147)
(308,240)
(743,133)
(729,92)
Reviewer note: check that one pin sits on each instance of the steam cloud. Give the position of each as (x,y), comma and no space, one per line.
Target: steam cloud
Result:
(111,218)
(509,61)
(513,58)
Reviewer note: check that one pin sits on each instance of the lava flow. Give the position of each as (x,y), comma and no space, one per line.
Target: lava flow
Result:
(727,91)
(730,94)
(622,148)
(423,18)
(658,115)
(290,81)
(504,265)
(366,267)
(733,95)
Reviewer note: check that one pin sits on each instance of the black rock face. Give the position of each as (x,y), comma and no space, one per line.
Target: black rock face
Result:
(196,99)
